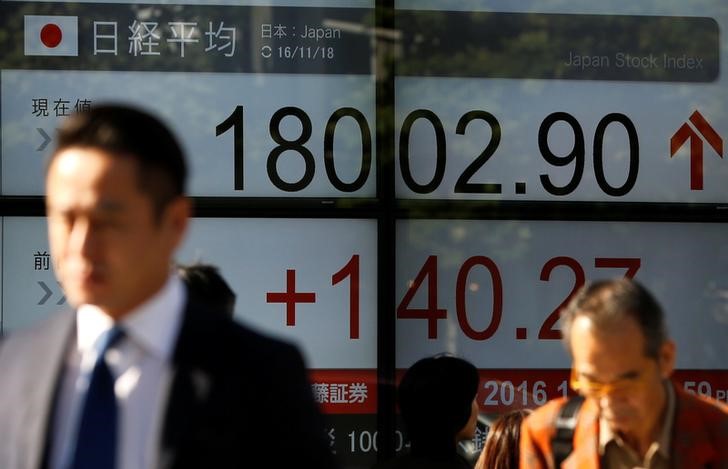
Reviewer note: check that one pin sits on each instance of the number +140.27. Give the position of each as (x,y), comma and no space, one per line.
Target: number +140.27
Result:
(432,313)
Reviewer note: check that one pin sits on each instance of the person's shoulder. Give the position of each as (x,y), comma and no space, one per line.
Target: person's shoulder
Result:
(546,415)
(245,340)
(13,343)
(225,330)
(537,431)
(261,340)
(408,461)
(392,463)
(698,406)
(702,426)
(39,346)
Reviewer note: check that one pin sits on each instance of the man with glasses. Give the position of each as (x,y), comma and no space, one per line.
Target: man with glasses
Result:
(633,416)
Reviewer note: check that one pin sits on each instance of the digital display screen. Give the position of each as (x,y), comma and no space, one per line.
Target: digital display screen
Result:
(491,291)
(309,282)
(312,136)
(382,183)
(561,101)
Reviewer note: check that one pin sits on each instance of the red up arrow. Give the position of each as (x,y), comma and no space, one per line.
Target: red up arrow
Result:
(684,133)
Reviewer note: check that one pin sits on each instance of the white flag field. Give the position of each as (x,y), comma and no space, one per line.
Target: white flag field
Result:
(51,35)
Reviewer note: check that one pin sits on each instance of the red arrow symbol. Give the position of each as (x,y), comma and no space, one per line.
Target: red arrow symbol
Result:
(684,133)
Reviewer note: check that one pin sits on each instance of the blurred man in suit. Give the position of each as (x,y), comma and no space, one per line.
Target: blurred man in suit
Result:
(138,375)
(633,416)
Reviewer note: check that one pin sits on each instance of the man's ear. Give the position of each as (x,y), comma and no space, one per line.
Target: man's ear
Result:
(176,219)
(666,358)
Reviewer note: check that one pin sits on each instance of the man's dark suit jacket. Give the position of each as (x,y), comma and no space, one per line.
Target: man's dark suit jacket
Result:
(236,397)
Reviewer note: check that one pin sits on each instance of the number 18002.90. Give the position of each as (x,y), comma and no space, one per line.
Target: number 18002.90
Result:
(298,145)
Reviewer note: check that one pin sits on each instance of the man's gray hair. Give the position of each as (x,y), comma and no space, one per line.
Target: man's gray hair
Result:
(606,302)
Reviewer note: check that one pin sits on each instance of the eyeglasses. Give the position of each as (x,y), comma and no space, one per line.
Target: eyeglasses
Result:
(596,389)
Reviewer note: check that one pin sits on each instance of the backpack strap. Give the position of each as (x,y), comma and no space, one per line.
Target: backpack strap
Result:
(562,442)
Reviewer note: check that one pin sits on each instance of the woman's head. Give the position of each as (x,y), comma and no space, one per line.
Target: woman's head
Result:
(436,398)
(501,445)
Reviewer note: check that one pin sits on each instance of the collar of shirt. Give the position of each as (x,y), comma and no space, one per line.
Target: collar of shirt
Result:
(153,325)
(606,435)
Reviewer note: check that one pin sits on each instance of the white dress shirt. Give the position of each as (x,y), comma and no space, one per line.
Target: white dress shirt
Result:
(141,364)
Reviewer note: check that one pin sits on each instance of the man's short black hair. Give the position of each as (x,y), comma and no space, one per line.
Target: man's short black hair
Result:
(128,132)
(205,283)
(435,400)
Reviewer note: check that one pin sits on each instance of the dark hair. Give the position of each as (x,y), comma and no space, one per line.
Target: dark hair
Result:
(205,283)
(435,399)
(501,446)
(127,132)
(606,302)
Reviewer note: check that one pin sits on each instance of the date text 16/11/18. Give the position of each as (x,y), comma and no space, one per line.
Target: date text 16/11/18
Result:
(305,52)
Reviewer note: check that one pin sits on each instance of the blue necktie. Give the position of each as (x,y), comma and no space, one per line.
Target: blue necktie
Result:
(97,431)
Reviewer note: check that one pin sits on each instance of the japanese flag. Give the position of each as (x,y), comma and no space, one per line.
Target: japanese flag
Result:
(51,35)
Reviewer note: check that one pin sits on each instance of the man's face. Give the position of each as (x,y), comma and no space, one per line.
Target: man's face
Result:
(108,249)
(627,385)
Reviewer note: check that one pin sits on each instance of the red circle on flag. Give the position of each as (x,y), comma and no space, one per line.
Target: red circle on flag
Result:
(51,35)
